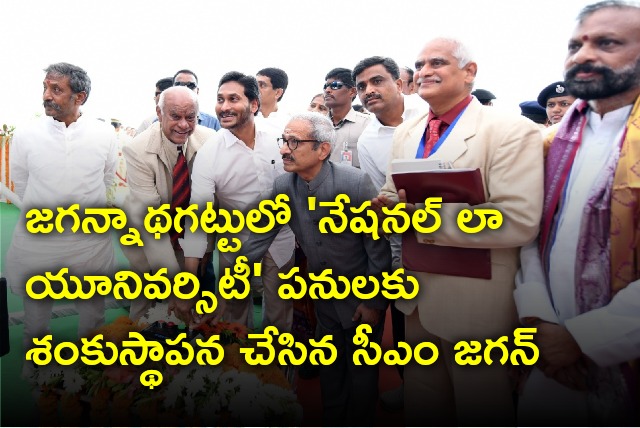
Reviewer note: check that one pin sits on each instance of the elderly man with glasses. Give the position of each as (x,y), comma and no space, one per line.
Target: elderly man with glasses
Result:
(339,93)
(349,392)
(189,79)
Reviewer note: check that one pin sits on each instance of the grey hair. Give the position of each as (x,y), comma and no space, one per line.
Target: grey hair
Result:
(460,51)
(178,89)
(617,4)
(321,128)
(78,78)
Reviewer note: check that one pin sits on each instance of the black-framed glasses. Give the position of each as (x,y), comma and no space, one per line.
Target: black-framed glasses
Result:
(335,85)
(292,143)
(189,85)
(158,93)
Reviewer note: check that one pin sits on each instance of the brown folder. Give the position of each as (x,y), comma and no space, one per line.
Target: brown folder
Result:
(452,186)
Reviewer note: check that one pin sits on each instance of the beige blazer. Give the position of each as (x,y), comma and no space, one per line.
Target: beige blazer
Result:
(508,150)
(150,177)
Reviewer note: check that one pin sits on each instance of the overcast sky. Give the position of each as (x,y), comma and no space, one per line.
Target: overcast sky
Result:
(126,46)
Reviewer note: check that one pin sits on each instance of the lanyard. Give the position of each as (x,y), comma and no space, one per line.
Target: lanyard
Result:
(420,153)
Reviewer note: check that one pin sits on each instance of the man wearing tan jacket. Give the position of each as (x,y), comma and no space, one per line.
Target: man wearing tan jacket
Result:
(508,151)
(151,158)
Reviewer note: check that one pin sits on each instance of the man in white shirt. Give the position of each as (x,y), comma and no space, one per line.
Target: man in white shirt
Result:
(272,83)
(59,160)
(579,283)
(237,167)
(380,89)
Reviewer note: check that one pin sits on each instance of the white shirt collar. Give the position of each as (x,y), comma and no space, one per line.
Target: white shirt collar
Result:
(230,139)
(615,117)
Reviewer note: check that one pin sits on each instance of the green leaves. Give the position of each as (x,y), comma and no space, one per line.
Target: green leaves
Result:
(7,130)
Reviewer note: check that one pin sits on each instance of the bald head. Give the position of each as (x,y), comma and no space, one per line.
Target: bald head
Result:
(177,92)
(178,113)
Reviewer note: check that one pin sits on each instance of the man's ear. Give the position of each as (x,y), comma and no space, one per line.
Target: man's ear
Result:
(279,93)
(81,97)
(254,106)
(399,84)
(324,150)
(158,113)
(353,92)
(471,70)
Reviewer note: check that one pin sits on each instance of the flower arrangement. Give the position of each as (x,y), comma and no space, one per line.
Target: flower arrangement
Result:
(229,332)
(194,394)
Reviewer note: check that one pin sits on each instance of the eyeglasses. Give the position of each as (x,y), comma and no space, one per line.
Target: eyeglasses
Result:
(335,85)
(189,85)
(292,143)
(158,93)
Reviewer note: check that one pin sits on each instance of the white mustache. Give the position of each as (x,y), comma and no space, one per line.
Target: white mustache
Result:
(433,79)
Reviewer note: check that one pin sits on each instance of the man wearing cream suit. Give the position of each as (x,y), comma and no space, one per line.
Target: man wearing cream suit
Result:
(151,158)
(508,151)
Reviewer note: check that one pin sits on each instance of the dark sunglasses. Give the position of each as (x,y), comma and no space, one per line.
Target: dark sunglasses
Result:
(292,143)
(189,85)
(335,85)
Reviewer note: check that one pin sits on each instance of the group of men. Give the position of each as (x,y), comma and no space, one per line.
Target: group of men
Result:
(565,261)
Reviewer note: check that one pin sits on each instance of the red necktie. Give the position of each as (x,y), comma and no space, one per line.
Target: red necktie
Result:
(434,136)
(181,193)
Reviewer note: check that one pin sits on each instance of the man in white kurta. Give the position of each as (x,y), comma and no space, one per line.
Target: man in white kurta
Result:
(598,332)
(59,160)
(584,350)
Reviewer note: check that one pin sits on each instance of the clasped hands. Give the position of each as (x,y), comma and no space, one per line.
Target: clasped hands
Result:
(185,310)
(382,201)
(560,355)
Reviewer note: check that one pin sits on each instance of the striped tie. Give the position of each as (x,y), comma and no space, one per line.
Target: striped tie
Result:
(434,136)
(180,195)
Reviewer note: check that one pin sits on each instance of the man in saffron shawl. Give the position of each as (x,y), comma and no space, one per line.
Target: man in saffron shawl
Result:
(579,283)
